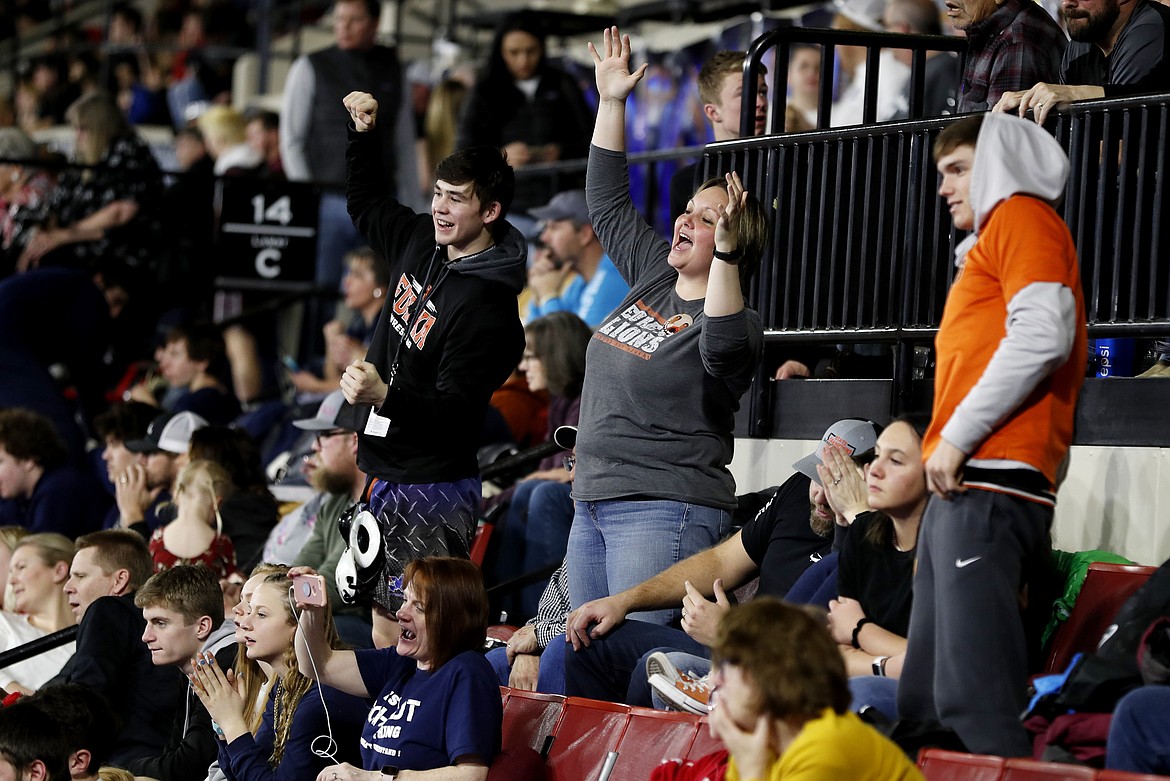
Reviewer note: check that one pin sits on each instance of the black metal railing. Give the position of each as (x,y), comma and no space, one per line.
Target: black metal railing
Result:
(862,248)
(782,39)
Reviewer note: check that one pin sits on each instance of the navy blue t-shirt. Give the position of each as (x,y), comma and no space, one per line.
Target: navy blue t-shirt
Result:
(424,720)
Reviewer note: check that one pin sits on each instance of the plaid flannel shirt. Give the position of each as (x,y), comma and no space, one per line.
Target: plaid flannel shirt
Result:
(1013,49)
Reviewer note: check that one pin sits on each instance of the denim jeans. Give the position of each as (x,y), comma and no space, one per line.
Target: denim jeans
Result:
(876,692)
(611,666)
(550,679)
(617,544)
(534,534)
(1139,735)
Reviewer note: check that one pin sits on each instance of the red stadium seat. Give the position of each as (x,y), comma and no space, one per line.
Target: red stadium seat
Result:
(587,731)
(529,718)
(704,744)
(939,765)
(1105,589)
(651,737)
(1034,770)
(1121,775)
(479,544)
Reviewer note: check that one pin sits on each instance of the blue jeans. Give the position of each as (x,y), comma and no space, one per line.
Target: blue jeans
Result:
(613,668)
(336,236)
(550,679)
(617,544)
(877,692)
(534,534)
(1139,735)
(817,585)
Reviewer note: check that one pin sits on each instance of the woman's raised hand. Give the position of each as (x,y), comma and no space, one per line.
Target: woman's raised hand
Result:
(614,80)
(727,229)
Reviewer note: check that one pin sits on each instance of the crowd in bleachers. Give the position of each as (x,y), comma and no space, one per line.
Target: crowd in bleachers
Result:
(257,546)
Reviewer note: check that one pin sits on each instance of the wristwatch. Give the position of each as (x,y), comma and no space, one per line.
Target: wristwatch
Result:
(390,771)
(879,666)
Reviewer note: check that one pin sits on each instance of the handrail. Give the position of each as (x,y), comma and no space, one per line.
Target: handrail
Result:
(38,646)
(782,39)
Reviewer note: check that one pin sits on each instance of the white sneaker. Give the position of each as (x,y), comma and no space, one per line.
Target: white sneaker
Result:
(682,691)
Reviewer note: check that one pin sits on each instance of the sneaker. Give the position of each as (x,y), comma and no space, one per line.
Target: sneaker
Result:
(660,664)
(688,694)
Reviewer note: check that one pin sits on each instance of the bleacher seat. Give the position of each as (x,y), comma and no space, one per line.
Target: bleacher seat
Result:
(587,731)
(529,718)
(1105,589)
(704,744)
(1033,770)
(1121,775)
(941,765)
(651,737)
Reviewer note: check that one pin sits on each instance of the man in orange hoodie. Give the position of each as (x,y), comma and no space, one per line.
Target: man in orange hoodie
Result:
(1011,353)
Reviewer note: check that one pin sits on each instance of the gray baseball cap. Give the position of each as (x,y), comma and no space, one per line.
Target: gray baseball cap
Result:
(858,437)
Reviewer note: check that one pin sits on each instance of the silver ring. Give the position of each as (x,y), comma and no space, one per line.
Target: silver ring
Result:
(836,481)
(684,612)
(123,480)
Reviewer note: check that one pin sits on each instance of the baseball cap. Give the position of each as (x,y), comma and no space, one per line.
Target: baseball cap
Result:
(566,436)
(569,205)
(334,412)
(866,13)
(168,433)
(858,437)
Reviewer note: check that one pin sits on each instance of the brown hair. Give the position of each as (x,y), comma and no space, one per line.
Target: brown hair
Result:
(962,132)
(788,655)
(116,549)
(880,533)
(559,340)
(103,122)
(454,602)
(752,235)
(191,590)
(29,436)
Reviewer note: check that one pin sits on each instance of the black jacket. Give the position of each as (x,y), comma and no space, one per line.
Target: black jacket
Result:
(465,341)
(112,660)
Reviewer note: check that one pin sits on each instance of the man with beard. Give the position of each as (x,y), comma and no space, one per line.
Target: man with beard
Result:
(1119,47)
(337,477)
(779,544)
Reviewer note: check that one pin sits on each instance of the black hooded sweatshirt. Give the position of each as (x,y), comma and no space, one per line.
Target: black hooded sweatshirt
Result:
(465,339)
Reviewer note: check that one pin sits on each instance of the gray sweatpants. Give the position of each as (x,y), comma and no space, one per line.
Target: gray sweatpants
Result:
(966,663)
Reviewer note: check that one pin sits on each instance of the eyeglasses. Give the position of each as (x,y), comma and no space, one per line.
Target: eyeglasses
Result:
(329,434)
(569,462)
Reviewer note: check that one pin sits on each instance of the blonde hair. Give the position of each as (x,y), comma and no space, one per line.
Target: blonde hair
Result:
(251,677)
(10,536)
(441,122)
(288,691)
(52,548)
(222,127)
(206,483)
(109,773)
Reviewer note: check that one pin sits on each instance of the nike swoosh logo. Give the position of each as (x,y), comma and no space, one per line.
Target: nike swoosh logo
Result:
(960,563)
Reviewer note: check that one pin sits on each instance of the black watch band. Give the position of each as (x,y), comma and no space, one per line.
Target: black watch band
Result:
(390,771)
(732,257)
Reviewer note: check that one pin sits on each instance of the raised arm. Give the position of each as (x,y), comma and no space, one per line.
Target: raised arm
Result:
(614,85)
(315,659)
(724,292)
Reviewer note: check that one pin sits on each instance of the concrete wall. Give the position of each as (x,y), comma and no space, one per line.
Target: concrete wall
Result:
(1114,498)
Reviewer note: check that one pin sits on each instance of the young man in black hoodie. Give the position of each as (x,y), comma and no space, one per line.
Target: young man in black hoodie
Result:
(449,336)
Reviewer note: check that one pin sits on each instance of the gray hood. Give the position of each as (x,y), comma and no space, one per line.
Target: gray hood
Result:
(505,262)
(1013,156)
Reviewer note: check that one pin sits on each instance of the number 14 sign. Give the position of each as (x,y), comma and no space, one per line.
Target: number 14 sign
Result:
(266,232)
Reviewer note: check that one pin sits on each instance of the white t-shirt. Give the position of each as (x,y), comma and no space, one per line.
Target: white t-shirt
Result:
(15,630)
